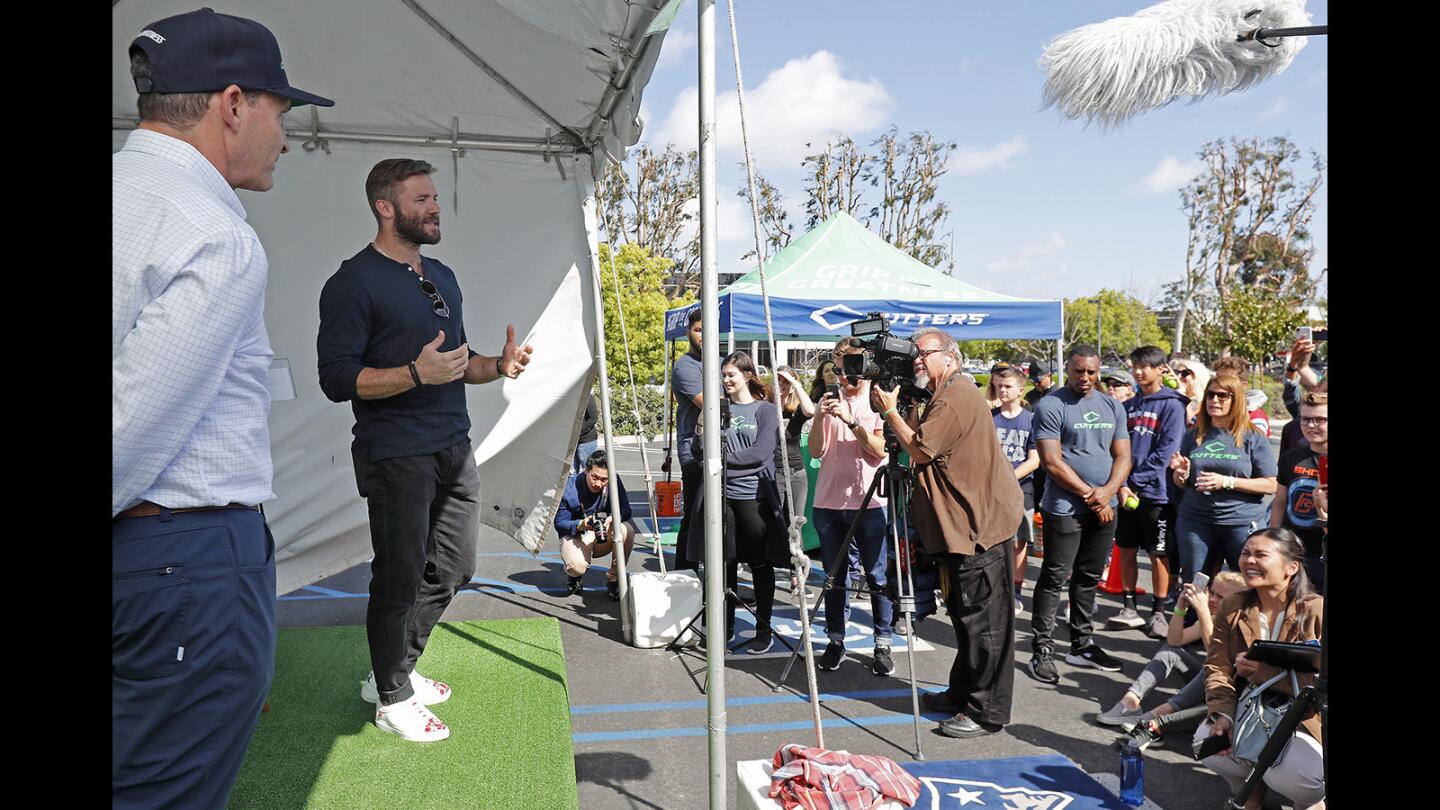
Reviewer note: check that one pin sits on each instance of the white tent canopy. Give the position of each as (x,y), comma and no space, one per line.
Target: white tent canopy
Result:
(517,103)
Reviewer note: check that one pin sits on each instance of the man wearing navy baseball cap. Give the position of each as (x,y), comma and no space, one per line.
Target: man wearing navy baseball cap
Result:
(193,565)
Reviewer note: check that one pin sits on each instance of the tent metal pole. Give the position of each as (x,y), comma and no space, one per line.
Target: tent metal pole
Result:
(590,206)
(491,143)
(710,334)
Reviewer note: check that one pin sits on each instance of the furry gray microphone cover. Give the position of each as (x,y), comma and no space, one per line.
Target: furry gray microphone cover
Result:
(1109,71)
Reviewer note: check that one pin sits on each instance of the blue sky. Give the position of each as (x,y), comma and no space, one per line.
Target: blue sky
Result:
(1042,206)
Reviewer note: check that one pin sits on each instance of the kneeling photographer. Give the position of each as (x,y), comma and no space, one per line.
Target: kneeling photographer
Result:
(965,507)
(585,527)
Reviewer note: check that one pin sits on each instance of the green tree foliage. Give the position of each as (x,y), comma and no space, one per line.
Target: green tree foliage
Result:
(1126,321)
(1011,351)
(1261,322)
(642,290)
(1249,217)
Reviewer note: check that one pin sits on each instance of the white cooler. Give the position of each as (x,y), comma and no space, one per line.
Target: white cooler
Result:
(660,605)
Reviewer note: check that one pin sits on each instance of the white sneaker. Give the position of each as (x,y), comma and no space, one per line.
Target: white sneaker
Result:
(411,721)
(427,691)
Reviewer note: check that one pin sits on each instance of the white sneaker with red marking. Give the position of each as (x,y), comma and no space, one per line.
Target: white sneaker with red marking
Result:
(410,720)
(427,691)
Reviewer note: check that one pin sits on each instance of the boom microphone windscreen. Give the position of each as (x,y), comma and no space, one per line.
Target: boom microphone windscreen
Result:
(1111,70)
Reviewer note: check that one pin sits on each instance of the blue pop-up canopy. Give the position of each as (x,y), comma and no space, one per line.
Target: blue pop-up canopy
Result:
(840,271)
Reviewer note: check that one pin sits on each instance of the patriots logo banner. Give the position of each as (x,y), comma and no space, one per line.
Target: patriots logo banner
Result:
(1048,782)
(948,793)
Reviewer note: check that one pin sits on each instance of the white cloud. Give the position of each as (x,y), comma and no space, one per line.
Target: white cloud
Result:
(1170,175)
(1275,110)
(1050,243)
(807,100)
(677,42)
(976,159)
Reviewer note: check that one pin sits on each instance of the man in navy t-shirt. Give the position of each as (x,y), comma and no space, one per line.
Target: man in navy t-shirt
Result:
(1085,448)
(392,343)
(1013,427)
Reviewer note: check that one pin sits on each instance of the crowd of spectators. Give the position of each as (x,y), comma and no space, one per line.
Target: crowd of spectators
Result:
(1164,454)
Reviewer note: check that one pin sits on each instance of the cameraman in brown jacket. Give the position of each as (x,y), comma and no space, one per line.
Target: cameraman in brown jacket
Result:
(965,508)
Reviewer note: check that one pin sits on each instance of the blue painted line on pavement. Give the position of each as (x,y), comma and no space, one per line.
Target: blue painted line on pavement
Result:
(759,700)
(329,591)
(752,728)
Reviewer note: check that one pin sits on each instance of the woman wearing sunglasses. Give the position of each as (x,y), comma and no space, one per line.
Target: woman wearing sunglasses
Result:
(1226,467)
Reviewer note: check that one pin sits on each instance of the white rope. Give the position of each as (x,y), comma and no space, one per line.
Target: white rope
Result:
(635,409)
(798,560)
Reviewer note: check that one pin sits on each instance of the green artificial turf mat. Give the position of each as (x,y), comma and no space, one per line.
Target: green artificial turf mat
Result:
(509,719)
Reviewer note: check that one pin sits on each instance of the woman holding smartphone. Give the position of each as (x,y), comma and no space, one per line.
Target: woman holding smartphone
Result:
(754,524)
(827,378)
(1226,467)
(1280,605)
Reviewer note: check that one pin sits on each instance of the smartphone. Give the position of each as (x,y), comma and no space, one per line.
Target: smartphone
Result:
(1201,580)
(833,390)
(1211,746)
(1325,470)
(1304,333)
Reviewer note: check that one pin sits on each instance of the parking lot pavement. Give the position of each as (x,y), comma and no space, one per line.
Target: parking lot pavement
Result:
(640,716)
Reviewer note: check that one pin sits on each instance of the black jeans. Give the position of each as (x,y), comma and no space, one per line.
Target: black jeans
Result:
(690,480)
(424,512)
(1082,543)
(982,611)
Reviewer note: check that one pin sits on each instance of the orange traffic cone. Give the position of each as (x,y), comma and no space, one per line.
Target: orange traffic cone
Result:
(1113,582)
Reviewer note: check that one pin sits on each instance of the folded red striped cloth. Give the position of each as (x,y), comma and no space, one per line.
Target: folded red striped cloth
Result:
(820,779)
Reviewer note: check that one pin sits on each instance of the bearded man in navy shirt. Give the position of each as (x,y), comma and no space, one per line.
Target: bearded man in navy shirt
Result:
(392,343)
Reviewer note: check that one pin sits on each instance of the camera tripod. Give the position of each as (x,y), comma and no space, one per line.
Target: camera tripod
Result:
(893,483)
(1316,694)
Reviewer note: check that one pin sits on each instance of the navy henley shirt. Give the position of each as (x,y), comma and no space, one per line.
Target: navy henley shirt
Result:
(373,314)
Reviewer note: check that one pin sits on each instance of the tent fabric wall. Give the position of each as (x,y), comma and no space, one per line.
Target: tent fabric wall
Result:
(519,241)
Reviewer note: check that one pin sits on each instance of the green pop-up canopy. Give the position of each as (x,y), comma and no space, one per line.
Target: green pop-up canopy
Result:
(840,270)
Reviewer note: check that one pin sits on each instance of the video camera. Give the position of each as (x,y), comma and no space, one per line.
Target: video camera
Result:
(886,360)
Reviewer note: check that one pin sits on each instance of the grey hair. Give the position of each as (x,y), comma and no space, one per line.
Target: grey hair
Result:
(180,111)
(947,343)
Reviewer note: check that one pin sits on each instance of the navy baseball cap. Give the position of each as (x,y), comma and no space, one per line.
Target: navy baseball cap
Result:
(202,52)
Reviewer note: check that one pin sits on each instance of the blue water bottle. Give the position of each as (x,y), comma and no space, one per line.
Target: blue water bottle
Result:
(1132,775)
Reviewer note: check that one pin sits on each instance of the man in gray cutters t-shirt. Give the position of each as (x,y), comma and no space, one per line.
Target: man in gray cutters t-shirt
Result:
(1085,450)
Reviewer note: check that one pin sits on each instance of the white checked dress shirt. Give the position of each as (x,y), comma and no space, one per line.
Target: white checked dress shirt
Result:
(188,346)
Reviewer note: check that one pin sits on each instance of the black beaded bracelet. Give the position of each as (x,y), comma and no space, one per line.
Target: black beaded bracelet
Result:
(414,374)
(498,371)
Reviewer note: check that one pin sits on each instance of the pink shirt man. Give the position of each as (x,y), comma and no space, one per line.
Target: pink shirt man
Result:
(836,487)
